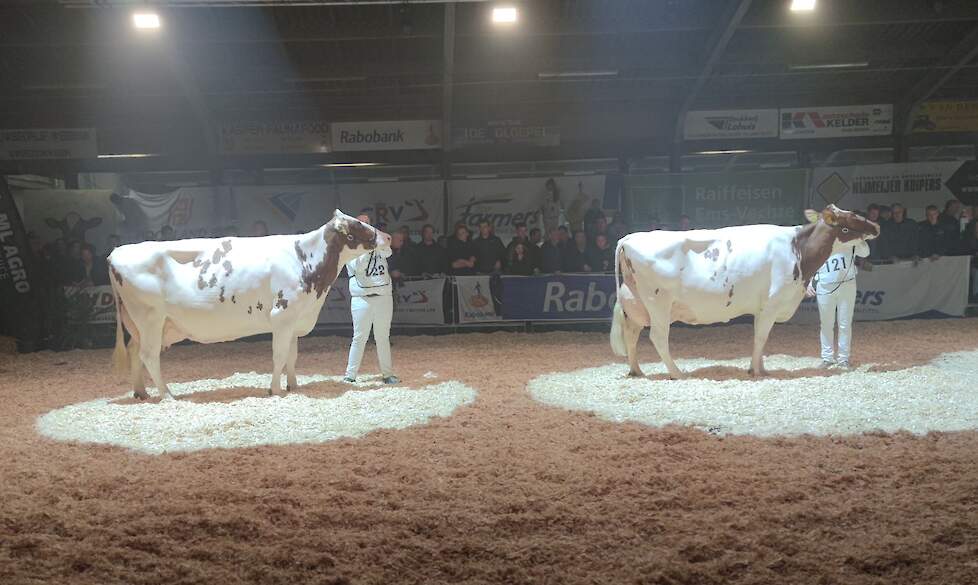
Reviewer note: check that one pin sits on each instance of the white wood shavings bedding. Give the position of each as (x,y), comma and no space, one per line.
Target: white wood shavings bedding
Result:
(938,396)
(181,425)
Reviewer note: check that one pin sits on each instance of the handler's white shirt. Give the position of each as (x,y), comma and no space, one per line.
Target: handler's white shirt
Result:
(369,274)
(840,267)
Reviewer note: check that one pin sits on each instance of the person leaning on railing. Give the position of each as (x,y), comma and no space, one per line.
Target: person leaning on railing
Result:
(899,236)
(428,256)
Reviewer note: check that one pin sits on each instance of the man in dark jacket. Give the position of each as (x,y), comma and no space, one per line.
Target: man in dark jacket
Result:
(489,250)
(899,236)
(953,226)
(600,256)
(575,254)
(429,257)
(551,253)
(935,237)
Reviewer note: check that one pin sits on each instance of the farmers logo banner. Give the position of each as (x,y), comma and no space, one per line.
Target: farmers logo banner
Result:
(561,297)
(410,203)
(945,117)
(506,202)
(416,302)
(835,122)
(48,143)
(395,135)
(475,303)
(915,185)
(731,124)
(713,200)
(893,291)
(294,137)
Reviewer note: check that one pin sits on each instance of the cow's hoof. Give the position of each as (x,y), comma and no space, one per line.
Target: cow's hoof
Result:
(761,374)
(677,376)
(140,395)
(637,374)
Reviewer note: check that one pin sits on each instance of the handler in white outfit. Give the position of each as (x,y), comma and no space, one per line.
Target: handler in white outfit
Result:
(372,305)
(834,286)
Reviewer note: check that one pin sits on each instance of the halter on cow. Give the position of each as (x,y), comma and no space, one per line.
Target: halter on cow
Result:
(712,276)
(220,289)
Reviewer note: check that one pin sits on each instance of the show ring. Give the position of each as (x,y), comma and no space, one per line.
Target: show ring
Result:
(190,424)
(718,397)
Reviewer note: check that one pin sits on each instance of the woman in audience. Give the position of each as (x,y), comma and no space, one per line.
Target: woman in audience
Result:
(461,253)
(520,262)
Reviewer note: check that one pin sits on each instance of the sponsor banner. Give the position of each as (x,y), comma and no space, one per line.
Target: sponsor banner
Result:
(85,215)
(292,137)
(836,122)
(507,132)
(19,297)
(915,185)
(46,143)
(475,299)
(99,301)
(410,203)
(285,209)
(713,200)
(416,302)
(394,135)
(892,291)
(945,117)
(558,297)
(718,124)
(506,202)
(192,212)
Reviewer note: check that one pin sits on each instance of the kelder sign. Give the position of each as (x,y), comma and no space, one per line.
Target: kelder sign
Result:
(713,200)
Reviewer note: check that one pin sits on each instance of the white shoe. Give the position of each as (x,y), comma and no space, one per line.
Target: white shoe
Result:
(843,365)
(826,364)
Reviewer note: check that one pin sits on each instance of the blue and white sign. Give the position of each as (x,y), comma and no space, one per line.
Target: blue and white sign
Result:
(563,297)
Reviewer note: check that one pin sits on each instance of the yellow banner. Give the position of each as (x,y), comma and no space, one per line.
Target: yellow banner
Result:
(946,117)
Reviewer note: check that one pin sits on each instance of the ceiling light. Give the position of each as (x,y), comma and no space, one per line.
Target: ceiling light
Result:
(566,74)
(128,155)
(802,5)
(723,152)
(504,15)
(146,20)
(854,65)
(350,165)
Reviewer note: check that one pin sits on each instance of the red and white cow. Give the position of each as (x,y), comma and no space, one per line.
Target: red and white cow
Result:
(220,289)
(713,276)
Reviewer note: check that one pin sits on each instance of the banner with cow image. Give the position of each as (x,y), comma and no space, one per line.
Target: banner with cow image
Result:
(285,209)
(416,302)
(86,215)
(506,202)
(915,185)
(410,203)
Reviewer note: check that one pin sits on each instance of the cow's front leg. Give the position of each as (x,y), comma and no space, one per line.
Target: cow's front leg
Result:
(293,384)
(762,329)
(281,343)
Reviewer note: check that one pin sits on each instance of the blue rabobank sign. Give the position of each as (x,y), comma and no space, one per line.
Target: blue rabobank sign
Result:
(558,297)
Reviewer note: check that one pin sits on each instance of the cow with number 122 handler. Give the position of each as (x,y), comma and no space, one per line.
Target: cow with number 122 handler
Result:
(221,289)
(712,276)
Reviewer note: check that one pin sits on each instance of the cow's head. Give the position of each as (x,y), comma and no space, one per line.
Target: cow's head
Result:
(845,226)
(353,237)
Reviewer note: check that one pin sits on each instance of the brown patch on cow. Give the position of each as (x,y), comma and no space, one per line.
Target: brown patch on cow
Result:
(731,292)
(321,277)
(729,303)
(656,291)
(729,246)
(116,275)
(234,300)
(299,253)
(282,302)
(249,309)
(213,281)
(200,282)
(226,244)
(259,306)
(220,296)
(227,267)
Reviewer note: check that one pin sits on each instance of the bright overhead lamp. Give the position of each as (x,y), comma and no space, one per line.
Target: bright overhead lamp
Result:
(576,74)
(505,15)
(350,165)
(723,152)
(128,155)
(821,66)
(146,20)
(802,5)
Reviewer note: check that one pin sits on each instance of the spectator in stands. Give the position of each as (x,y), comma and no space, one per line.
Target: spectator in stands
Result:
(683,225)
(400,262)
(564,234)
(490,254)
(551,253)
(936,238)
(886,214)
(591,218)
(600,229)
(94,271)
(873,214)
(969,246)
(451,236)
(899,236)
(552,208)
(600,256)
(522,237)
(167,234)
(951,220)
(536,237)
(461,253)
(406,232)
(617,229)
(575,254)
(520,260)
(259,229)
(443,242)
(429,255)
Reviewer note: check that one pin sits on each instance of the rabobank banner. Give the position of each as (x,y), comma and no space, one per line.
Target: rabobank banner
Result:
(393,135)
(893,291)
(563,297)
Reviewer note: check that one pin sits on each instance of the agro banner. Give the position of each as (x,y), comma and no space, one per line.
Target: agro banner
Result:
(410,203)
(98,303)
(18,281)
(893,291)
(718,124)
(393,135)
(945,117)
(558,297)
(837,122)
(506,202)
(713,200)
(192,212)
(416,302)
(475,300)
(292,137)
(506,132)
(48,143)
(81,215)
(285,209)
(915,185)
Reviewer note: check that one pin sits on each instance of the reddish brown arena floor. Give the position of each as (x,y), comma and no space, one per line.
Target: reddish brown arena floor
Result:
(506,490)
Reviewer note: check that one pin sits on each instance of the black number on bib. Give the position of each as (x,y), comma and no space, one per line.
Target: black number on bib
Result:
(374,267)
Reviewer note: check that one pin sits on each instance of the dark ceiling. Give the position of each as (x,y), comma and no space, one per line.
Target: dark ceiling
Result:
(78,63)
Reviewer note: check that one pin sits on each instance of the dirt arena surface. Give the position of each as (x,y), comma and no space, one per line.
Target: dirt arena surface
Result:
(506,490)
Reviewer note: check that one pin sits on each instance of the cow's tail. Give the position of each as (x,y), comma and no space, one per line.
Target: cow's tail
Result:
(120,356)
(618,316)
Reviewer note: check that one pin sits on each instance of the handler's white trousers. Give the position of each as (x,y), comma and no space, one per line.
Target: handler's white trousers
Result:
(839,305)
(371,312)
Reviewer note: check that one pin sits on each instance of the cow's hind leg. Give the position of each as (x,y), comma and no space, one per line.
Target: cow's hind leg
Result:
(281,345)
(150,348)
(632,332)
(661,319)
(763,323)
(136,371)
(293,384)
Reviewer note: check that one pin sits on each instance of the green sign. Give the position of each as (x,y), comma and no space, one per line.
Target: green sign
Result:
(713,200)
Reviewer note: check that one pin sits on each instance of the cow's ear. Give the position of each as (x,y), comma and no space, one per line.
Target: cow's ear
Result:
(811,215)
(829,215)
